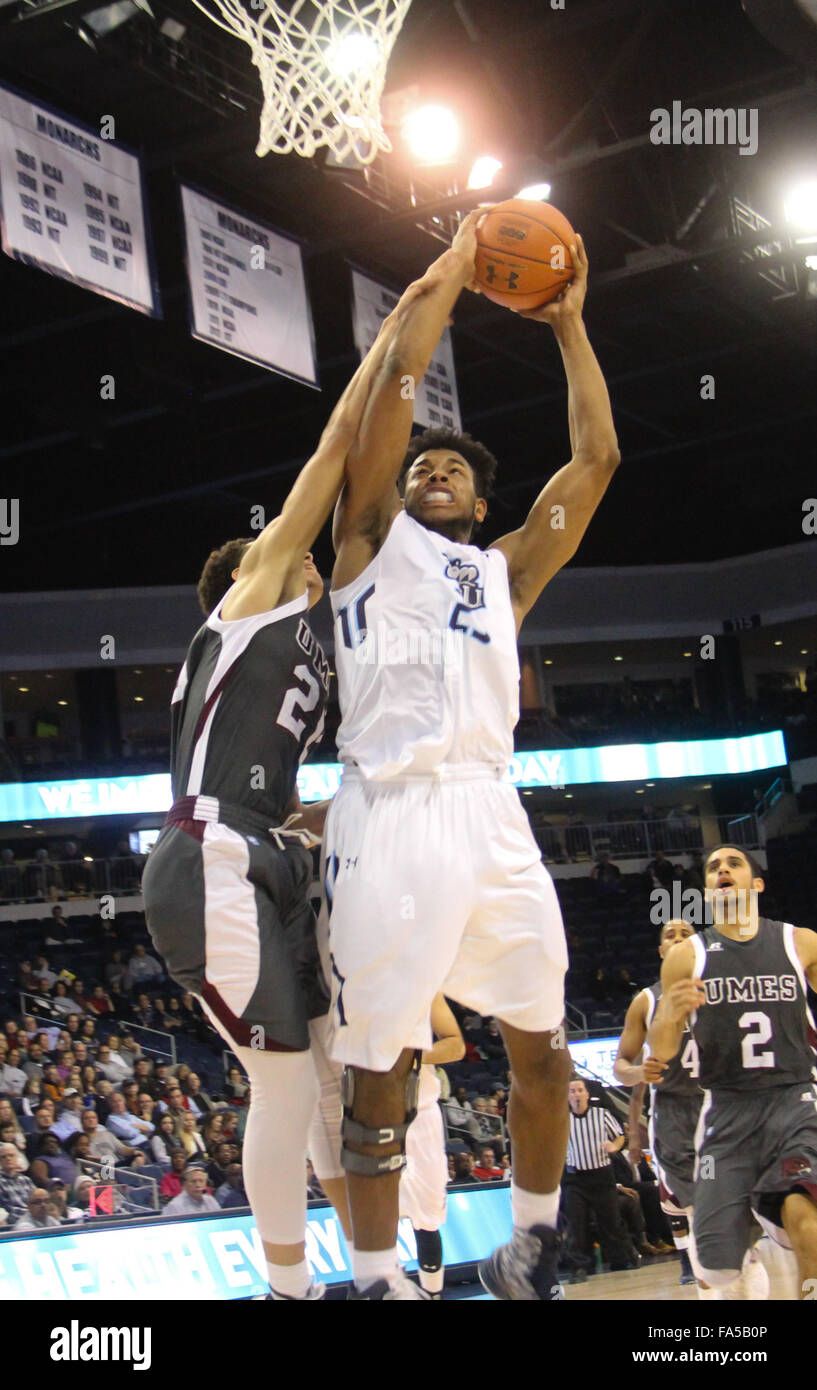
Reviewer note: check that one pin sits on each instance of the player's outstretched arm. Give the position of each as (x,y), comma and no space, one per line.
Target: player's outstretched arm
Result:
(562,511)
(274,562)
(369,499)
(449,1045)
(627,1067)
(681,995)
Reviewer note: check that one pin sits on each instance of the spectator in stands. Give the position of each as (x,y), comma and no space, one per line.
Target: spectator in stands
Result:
(80,1050)
(235,1087)
(76,874)
(488,1124)
(65,1064)
(69,1120)
(171,1183)
(194,1198)
(36,1216)
(143,1073)
(58,1204)
(606,875)
(52,1082)
(52,1162)
(15,1186)
(187,1132)
(460,1115)
(43,977)
(43,879)
(115,1067)
(600,987)
(198,1100)
(88,1032)
(142,970)
(213,1130)
(129,1128)
(464,1164)
(147,1108)
(163,1144)
(56,933)
(231,1193)
(176,1101)
(490,1042)
(233,1122)
(173,1021)
(487,1170)
(143,1012)
(218,1165)
(44,1117)
(130,1090)
(81,1000)
(89,1076)
(12,1076)
(11,880)
(103,1144)
(659,872)
(191,1017)
(115,972)
(160,1015)
(181,1072)
(61,1001)
(623,985)
(100,1002)
(10,1134)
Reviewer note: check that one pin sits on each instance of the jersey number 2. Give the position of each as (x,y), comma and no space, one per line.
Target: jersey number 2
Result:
(297,701)
(763,1024)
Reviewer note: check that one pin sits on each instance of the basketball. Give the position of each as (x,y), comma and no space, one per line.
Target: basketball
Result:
(523,257)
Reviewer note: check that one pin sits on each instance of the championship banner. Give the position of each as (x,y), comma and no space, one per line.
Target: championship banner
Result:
(247,288)
(435,401)
(72,203)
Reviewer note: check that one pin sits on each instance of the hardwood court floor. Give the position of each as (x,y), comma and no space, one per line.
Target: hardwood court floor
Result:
(657,1280)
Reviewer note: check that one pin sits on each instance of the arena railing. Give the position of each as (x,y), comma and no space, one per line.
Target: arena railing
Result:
(55,880)
(162,1051)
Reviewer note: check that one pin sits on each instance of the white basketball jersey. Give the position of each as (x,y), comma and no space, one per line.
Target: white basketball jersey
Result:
(426,656)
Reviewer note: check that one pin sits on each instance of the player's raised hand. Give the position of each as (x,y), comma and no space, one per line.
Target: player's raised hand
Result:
(465,240)
(654,1070)
(683,998)
(570,302)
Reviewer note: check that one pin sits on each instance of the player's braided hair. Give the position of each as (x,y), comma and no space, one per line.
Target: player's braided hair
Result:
(216,577)
(480,459)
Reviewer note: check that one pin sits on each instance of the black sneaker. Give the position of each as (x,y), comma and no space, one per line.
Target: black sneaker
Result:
(400,1288)
(527,1264)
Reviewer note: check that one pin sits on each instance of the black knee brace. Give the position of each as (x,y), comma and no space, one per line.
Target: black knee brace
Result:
(429,1250)
(353,1132)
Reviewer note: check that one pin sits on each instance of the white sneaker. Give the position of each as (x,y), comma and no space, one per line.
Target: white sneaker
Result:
(752,1284)
(313,1293)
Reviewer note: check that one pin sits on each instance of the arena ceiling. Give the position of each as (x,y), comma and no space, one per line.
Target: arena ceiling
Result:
(137,490)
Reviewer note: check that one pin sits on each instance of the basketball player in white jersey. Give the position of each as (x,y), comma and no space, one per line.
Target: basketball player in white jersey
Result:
(424,1180)
(432,875)
(225,886)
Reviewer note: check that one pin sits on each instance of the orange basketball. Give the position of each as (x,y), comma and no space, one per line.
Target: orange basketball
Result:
(523,254)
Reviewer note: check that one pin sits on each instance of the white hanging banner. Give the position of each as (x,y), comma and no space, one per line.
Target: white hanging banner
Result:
(73,203)
(247,288)
(435,400)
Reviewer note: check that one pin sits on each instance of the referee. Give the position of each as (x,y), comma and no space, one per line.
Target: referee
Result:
(590,1188)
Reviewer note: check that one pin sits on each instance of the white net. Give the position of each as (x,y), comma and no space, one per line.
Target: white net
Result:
(322,65)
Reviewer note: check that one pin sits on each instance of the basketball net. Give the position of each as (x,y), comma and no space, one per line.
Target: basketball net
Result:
(322,65)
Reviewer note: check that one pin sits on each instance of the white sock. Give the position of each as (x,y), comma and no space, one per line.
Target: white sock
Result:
(370,1265)
(680,1242)
(293,1280)
(534,1208)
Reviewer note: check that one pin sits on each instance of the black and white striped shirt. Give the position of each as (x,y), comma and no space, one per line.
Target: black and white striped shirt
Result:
(588,1134)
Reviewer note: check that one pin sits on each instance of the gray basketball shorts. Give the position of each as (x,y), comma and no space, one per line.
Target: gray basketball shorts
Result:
(229,913)
(753,1150)
(672,1134)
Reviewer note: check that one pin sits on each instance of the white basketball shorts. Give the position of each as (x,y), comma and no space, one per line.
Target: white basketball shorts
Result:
(424,1180)
(436,885)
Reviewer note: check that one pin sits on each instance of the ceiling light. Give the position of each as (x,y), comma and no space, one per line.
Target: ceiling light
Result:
(138,699)
(800,205)
(26,826)
(778,643)
(568,796)
(432,134)
(804,651)
(548,661)
(535,192)
(62,702)
(618,658)
(639,791)
(687,653)
(23,689)
(353,54)
(483,171)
